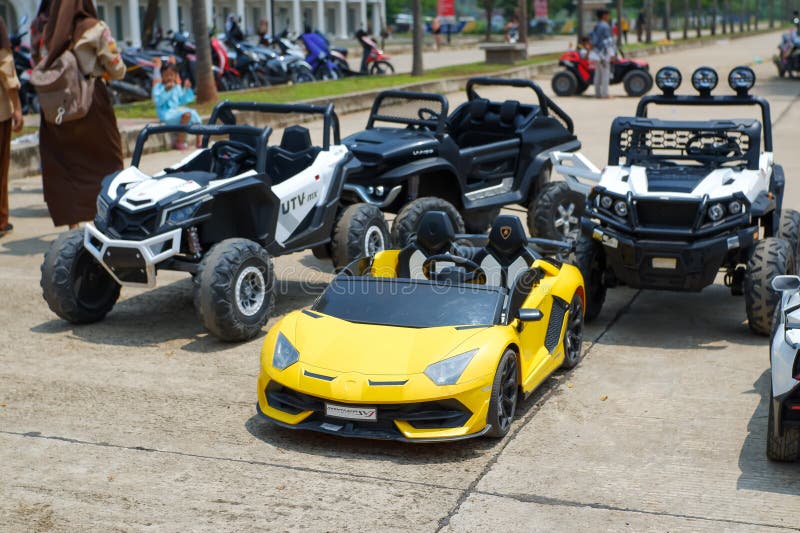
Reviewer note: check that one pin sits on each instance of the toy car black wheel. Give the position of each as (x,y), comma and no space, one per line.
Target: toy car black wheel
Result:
(503,404)
(408,219)
(573,337)
(790,231)
(75,286)
(360,231)
(380,68)
(478,221)
(323,251)
(590,258)
(770,257)
(637,82)
(234,289)
(556,212)
(564,83)
(784,447)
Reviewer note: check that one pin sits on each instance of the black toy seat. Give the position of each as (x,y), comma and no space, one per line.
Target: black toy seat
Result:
(295,154)
(480,122)
(506,254)
(435,236)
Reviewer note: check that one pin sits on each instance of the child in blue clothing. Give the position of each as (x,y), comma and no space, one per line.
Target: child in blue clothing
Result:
(171,98)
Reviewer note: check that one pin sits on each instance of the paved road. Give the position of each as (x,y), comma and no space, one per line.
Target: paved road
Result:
(144,422)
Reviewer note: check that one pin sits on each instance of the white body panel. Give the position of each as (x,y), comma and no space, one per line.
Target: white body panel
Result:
(782,355)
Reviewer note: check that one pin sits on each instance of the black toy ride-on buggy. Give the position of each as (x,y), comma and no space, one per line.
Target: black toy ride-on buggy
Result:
(682,200)
(578,75)
(481,157)
(219,214)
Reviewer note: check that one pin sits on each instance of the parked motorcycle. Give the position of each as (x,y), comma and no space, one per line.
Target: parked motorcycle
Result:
(278,68)
(319,57)
(788,58)
(23,64)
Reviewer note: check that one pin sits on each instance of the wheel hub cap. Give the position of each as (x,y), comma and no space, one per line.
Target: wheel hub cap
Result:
(250,291)
(374,241)
(566,221)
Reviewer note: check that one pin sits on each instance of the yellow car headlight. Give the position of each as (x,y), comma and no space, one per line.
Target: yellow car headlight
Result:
(285,354)
(448,371)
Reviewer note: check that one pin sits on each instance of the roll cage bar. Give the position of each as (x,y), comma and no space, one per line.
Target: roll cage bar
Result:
(725,100)
(206,131)
(223,112)
(545,103)
(437,125)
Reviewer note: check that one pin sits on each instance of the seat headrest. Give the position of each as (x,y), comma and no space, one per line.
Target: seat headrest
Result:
(477,109)
(296,139)
(435,233)
(508,235)
(508,111)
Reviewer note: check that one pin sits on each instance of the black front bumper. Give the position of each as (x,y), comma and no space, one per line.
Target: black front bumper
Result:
(679,265)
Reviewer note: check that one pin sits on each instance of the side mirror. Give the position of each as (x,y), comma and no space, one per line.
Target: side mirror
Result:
(529,315)
(786,283)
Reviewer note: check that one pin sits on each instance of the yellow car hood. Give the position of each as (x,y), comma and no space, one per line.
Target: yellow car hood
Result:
(342,346)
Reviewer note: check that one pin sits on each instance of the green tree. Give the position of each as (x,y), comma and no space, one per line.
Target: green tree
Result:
(206,87)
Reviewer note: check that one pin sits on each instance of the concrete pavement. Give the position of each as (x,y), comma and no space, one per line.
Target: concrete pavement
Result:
(144,422)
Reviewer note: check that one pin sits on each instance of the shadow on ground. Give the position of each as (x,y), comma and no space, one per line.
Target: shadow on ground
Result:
(757,472)
(166,314)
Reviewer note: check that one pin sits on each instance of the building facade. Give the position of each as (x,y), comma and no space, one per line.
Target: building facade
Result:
(337,18)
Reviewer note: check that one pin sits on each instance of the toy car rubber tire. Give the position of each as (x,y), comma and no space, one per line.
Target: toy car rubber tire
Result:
(554,206)
(637,82)
(408,219)
(564,83)
(68,271)
(501,422)
(790,230)
(591,261)
(228,269)
(786,447)
(573,337)
(361,230)
(770,257)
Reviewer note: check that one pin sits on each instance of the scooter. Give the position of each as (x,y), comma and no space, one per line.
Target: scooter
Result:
(788,58)
(279,69)
(322,63)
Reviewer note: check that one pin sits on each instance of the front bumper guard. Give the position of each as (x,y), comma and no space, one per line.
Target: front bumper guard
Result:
(132,263)
(653,263)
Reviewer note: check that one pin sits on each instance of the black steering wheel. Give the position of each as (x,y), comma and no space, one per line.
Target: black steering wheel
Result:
(727,147)
(427,114)
(233,151)
(473,269)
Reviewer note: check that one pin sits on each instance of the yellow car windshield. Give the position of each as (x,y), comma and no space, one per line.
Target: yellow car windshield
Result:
(410,303)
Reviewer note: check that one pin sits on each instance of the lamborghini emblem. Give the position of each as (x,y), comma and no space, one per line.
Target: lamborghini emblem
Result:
(505,232)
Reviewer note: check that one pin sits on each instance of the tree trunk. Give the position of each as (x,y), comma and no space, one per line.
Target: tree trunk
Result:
(714,11)
(772,13)
(697,17)
(488,5)
(668,19)
(579,19)
(742,9)
(686,15)
(619,24)
(724,18)
(149,21)
(523,23)
(206,88)
(416,63)
(649,27)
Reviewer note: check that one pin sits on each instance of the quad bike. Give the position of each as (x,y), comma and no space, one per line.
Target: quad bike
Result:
(683,200)
(220,214)
(578,75)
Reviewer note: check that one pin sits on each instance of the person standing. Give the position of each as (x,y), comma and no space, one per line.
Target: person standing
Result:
(78,154)
(10,119)
(640,22)
(602,53)
(436,30)
(625,28)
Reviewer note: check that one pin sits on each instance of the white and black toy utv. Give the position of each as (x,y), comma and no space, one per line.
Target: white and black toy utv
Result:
(219,214)
(682,200)
(783,424)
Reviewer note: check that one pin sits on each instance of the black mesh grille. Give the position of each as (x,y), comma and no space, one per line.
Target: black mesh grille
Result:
(658,213)
(132,225)
(665,140)
(555,324)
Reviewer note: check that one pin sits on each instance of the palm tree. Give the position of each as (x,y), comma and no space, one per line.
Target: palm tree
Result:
(668,19)
(150,15)
(649,27)
(714,11)
(205,86)
(619,23)
(686,19)
(697,15)
(417,38)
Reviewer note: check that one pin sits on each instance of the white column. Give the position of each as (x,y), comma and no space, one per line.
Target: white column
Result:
(172,16)
(209,14)
(268,16)
(134,25)
(242,12)
(321,16)
(297,16)
(363,15)
(376,18)
(343,29)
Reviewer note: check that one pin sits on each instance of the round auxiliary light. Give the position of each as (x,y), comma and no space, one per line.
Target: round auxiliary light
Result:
(668,79)
(704,80)
(742,79)
(606,202)
(716,212)
(735,207)
(621,208)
